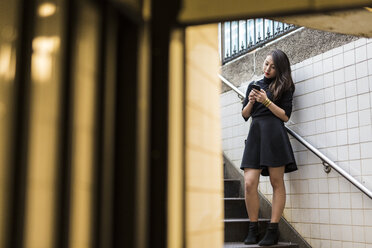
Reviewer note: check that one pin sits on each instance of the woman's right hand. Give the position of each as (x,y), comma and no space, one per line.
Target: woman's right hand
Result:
(252,97)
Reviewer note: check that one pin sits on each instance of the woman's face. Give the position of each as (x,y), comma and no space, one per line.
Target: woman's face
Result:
(269,67)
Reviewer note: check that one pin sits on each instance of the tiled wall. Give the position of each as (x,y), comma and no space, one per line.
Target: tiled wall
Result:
(332,110)
(204,166)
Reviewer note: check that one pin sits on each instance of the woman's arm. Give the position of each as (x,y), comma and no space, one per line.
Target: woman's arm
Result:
(278,112)
(275,109)
(246,112)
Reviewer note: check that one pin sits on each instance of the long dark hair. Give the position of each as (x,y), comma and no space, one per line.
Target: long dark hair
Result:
(283,80)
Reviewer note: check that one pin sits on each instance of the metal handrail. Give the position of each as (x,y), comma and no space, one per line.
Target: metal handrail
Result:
(327,163)
(240,94)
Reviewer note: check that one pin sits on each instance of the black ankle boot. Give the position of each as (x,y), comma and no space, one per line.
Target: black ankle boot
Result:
(252,237)
(271,236)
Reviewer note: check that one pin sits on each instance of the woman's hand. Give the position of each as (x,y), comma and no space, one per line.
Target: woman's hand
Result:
(260,96)
(251,97)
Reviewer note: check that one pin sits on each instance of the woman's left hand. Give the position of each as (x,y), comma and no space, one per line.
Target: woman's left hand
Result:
(260,95)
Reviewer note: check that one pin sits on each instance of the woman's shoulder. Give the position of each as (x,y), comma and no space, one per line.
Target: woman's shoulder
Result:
(259,82)
(252,82)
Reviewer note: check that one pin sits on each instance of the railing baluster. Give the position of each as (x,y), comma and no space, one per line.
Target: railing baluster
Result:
(247,34)
(258,34)
(237,35)
(222,25)
(254,31)
(231,53)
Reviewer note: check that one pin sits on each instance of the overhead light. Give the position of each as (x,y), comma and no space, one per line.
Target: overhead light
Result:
(47,9)
(368,8)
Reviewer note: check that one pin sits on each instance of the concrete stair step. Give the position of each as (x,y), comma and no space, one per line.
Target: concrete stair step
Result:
(235,208)
(236,219)
(232,188)
(237,229)
(242,245)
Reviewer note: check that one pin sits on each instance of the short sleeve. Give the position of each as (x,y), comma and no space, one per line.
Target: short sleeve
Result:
(246,99)
(286,102)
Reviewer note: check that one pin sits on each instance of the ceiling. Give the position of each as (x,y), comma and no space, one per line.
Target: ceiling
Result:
(341,16)
(355,22)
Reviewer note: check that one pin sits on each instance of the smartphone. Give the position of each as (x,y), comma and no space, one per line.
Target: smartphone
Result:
(256,86)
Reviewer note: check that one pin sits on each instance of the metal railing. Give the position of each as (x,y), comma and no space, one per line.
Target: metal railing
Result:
(327,163)
(242,36)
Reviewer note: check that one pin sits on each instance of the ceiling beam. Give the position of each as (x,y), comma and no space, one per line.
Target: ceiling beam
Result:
(209,11)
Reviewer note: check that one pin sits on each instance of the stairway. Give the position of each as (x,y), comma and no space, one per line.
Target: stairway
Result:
(236,219)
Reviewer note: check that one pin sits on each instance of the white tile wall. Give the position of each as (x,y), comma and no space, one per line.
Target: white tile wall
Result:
(360,54)
(349,57)
(340,106)
(350,73)
(338,61)
(362,85)
(342,153)
(333,111)
(328,65)
(365,133)
(365,150)
(352,119)
(352,104)
(362,69)
(340,91)
(349,46)
(365,116)
(354,151)
(369,64)
(341,137)
(357,215)
(355,169)
(339,76)
(318,68)
(360,42)
(351,88)
(369,50)
(328,79)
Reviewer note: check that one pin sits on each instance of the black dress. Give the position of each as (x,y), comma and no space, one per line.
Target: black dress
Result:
(267,144)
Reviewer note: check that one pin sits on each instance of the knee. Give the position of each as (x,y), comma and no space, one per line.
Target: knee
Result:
(250,186)
(277,183)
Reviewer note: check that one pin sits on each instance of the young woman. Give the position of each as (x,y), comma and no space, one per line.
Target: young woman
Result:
(267,150)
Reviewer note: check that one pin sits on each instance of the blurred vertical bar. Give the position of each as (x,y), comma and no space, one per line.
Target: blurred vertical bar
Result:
(84,94)
(46,79)
(126,126)
(9,16)
(176,133)
(18,141)
(105,143)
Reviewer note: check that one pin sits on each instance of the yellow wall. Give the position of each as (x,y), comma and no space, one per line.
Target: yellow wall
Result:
(204,170)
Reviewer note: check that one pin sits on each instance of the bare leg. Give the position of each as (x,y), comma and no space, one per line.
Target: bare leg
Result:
(252,202)
(279,196)
(277,181)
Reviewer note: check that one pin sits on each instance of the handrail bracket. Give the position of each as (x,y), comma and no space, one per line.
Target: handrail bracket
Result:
(326,167)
